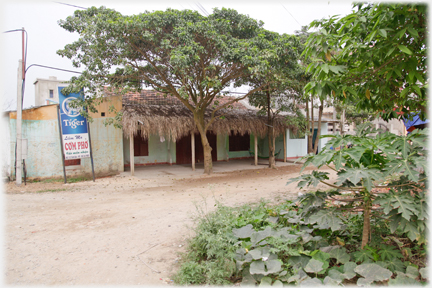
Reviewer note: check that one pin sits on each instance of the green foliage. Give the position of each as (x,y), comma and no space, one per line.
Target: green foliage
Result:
(375,57)
(190,273)
(370,161)
(289,250)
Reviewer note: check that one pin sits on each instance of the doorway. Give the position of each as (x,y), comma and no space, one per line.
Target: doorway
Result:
(184,151)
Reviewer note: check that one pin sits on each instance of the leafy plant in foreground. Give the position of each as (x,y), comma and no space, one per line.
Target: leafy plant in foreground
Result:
(363,168)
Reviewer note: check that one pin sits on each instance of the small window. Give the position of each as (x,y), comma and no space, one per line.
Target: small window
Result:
(298,135)
(103,114)
(51,94)
(140,145)
(72,162)
(239,143)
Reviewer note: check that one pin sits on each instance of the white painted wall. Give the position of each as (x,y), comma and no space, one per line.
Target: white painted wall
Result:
(42,87)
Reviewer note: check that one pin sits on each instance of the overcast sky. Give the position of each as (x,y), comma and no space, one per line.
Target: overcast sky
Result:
(45,36)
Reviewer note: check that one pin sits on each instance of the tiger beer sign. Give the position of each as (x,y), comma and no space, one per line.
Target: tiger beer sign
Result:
(74,128)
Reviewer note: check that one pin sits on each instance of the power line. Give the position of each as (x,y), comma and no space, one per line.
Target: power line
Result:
(290,14)
(71,5)
(203,10)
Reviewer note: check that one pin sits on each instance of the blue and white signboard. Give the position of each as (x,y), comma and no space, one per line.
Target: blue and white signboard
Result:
(74,128)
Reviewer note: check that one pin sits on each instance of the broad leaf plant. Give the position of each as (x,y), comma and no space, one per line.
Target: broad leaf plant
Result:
(378,174)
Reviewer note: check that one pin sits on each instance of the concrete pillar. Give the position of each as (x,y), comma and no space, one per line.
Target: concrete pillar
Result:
(131,145)
(18,154)
(256,149)
(284,144)
(193,150)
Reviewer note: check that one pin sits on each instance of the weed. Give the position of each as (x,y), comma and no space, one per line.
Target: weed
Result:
(50,190)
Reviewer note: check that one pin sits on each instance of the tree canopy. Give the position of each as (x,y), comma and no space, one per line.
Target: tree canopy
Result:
(278,93)
(181,53)
(375,57)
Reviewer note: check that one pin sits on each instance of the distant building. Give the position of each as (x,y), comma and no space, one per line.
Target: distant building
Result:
(46,90)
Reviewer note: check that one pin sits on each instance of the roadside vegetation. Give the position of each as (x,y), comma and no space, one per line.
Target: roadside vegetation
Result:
(369,228)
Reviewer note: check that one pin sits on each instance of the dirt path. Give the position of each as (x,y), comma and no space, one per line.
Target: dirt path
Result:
(120,230)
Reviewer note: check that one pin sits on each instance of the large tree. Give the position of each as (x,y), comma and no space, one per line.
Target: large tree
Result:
(381,59)
(302,78)
(277,94)
(180,53)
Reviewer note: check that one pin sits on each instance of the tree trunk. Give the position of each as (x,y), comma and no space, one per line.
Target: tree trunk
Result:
(321,108)
(310,126)
(366,221)
(208,164)
(270,134)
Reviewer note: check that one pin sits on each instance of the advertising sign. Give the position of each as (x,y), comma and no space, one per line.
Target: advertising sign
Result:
(74,128)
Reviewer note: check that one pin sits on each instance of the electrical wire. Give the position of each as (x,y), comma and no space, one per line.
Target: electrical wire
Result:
(291,15)
(70,5)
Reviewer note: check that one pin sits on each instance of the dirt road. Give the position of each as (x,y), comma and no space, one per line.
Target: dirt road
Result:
(120,230)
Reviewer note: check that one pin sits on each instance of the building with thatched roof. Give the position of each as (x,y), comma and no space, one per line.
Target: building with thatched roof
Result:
(163,131)
(156,129)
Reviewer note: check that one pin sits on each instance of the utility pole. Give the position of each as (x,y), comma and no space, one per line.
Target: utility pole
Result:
(21,77)
(18,153)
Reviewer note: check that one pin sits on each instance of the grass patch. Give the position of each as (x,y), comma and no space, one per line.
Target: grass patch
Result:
(50,190)
(61,180)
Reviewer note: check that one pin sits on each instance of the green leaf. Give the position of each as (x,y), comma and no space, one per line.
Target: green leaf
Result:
(266,281)
(347,269)
(382,32)
(259,253)
(363,255)
(265,267)
(243,232)
(257,237)
(424,273)
(387,252)
(321,256)
(395,265)
(340,255)
(356,152)
(331,281)
(413,32)
(314,266)
(412,272)
(325,68)
(405,49)
(299,261)
(277,283)
(328,218)
(312,282)
(372,272)
(402,280)
(247,279)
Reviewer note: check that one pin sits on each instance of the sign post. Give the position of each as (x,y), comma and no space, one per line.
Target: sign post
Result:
(74,129)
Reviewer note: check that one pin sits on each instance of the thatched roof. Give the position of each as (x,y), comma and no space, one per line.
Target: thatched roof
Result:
(176,121)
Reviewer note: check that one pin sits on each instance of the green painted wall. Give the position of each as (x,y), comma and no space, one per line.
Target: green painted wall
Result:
(44,149)
(222,147)
(159,150)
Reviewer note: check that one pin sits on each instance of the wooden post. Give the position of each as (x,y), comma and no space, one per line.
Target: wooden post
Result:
(284,143)
(256,149)
(131,145)
(193,150)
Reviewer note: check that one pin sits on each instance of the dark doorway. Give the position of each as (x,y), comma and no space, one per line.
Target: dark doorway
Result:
(184,152)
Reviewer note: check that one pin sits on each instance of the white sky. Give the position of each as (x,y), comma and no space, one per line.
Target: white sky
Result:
(45,36)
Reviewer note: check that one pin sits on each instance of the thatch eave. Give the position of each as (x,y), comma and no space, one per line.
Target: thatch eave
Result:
(176,121)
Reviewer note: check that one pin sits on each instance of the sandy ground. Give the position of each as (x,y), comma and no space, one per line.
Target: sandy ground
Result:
(120,230)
